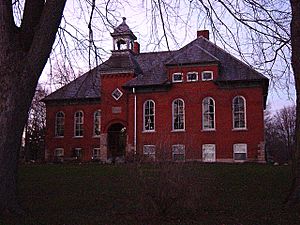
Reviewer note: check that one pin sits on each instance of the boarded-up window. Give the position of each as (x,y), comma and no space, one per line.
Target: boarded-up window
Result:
(149,151)
(178,152)
(209,153)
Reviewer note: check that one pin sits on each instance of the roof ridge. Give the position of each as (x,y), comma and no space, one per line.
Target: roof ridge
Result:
(232,56)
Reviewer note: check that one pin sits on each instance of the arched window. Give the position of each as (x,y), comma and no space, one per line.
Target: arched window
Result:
(178,114)
(78,124)
(239,112)
(59,124)
(97,123)
(149,115)
(208,114)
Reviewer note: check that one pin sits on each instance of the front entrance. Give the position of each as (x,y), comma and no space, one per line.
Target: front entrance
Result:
(116,142)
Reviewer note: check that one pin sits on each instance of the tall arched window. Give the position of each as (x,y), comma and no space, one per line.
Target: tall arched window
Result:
(97,123)
(208,114)
(178,114)
(239,112)
(59,124)
(149,115)
(78,124)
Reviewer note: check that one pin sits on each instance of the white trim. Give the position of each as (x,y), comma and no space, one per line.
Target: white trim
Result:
(177,81)
(117,98)
(245,113)
(144,104)
(207,71)
(189,73)
(173,129)
(79,111)
(135,122)
(214,113)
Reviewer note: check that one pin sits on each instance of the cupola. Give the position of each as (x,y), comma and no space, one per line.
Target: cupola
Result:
(123,37)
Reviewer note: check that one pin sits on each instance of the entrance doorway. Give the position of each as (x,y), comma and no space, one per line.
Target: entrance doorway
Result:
(116,142)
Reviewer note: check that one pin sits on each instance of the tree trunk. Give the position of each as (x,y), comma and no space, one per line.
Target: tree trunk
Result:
(23,54)
(294,196)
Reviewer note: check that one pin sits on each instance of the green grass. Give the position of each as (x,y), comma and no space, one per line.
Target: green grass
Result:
(90,194)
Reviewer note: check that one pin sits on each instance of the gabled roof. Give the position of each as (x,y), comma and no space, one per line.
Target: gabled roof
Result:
(86,86)
(150,69)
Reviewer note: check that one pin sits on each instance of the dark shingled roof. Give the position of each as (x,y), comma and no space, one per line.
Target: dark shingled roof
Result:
(150,69)
(86,86)
(123,29)
(119,61)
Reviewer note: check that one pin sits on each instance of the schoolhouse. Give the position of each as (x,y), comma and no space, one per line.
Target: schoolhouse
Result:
(195,103)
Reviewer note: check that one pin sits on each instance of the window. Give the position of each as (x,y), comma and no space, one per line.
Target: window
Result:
(192,76)
(77,153)
(78,124)
(178,152)
(59,124)
(177,77)
(178,114)
(209,153)
(96,154)
(207,75)
(59,155)
(59,152)
(149,114)
(240,152)
(97,123)
(149,151)
(239,112)
(208,114)
(117,94)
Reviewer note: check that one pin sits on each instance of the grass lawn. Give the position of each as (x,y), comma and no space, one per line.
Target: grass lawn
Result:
(190,193)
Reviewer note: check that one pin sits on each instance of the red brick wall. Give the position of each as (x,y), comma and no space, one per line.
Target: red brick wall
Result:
(193,137)
(69,142)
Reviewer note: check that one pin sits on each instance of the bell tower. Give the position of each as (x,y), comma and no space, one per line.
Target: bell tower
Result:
(123,37)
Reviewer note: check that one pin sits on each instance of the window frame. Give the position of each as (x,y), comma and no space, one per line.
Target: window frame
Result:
(173,115)
(95,126)
(81,123)
(176,150)
(78,152)
(150,155)
(190,73)
(61,126)
(205,148)
(117,90)
(98,155)
(207,71)
(237,151)
(209,113)
(148,115)
(239,112)
(59,155)
(177,81)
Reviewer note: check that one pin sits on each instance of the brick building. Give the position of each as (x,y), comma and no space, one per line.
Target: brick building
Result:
(195,103)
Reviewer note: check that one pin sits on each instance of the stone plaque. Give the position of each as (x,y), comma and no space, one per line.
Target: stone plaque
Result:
(116,110)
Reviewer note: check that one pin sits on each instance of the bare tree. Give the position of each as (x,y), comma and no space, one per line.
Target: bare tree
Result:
(280,133)
(35,127)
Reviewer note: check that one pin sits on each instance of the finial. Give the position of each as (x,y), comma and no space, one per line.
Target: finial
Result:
(124,19)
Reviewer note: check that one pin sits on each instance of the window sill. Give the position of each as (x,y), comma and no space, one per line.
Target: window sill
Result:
(176,131)
(239,129)
(208,130)
(78,137)
(96,136)
(59,137)
(191,81)
(148,131)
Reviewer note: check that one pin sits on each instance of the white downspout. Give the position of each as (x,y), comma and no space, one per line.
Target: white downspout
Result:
(134,125)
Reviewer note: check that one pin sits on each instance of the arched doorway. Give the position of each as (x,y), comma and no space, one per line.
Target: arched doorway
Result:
(116,141)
